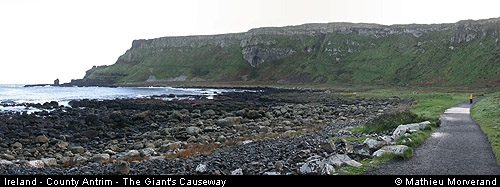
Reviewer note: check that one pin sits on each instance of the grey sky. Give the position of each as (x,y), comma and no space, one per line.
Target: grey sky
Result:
(44,40)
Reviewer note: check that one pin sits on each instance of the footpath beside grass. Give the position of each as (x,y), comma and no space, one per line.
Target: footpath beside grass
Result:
(486,113)
(428,104)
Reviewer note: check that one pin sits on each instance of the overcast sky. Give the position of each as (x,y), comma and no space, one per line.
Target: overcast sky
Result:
(41,40)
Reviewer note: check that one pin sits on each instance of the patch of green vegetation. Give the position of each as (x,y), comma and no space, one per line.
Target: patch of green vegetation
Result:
(389,121)
(351,139)
(486,113)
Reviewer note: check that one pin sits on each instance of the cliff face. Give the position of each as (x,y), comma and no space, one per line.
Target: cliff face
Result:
(440,54)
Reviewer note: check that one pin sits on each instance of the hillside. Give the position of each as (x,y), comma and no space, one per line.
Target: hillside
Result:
(462,53)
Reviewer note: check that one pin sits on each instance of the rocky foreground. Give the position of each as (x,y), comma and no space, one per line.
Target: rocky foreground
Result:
(271,131)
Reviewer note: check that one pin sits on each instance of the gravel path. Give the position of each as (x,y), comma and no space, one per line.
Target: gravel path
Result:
(457,147)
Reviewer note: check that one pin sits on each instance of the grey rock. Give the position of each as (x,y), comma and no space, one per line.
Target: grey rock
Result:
(36,163)
(208,113)
(77,149)
(338,160)
(201,168)
(5,162)
(7,156)
(146,152)
(49,161)
(170,147)
(193,130)
(401,130)
(100,157)
(18,145)
(41,139)
(328,147)
(138,145)
(313,165)
(372,144)
(238,171)
(122,167)
(229,121)
(396,149)
(90,133)
(132,153)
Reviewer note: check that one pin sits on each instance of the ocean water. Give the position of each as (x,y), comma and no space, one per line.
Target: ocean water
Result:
(15,94)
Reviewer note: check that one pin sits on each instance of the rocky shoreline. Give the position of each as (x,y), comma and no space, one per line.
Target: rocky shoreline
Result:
(273,131)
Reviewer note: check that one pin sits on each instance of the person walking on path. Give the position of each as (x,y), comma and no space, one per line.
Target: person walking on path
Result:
(471,96)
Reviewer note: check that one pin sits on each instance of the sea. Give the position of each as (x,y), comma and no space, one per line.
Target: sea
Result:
(12,96)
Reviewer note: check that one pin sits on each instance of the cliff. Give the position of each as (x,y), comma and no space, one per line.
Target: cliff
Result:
(462,53)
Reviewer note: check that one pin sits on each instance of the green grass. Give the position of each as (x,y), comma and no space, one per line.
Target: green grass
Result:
(486,113)
(389,121)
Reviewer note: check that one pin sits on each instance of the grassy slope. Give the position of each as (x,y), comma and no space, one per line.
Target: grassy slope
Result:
(393,60)
(486,113)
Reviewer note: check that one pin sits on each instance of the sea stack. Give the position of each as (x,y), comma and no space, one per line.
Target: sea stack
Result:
(56,82)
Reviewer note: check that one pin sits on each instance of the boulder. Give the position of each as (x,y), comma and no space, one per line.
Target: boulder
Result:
(146,152)
(208,113)
(122,168)
(36,163)
(132,153)
(201,168)
(338,160)
(90,133)
(313,165)
(401,130)
(238,171)
(49,161)
(6,162)
(170,147)
(7,156)
(77,149)
(193,130)
(396,149)
(41,139)
(372,144)
(328,147)
(228,121)
(17,145)
(100,157)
